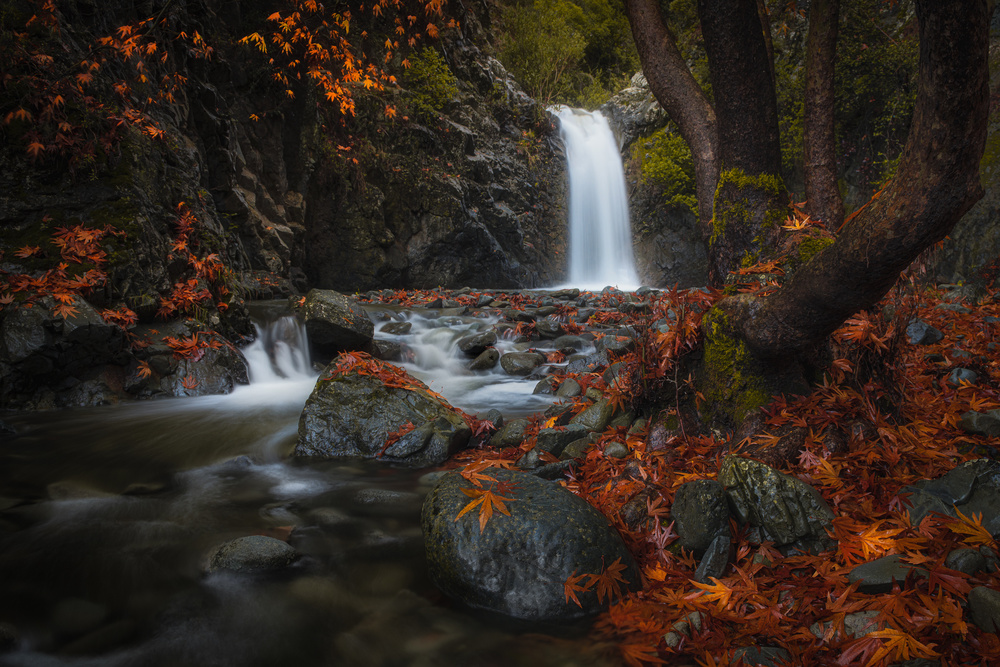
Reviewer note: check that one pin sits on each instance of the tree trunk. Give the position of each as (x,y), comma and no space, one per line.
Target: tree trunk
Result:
(750,200)
(823,201)
(678,93)
(936,183)
(765,25)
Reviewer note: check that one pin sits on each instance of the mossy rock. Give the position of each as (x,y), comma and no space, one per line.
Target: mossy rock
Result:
(786,509)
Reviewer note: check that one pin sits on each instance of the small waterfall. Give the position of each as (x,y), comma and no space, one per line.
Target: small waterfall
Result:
(431,354)
(600,235)
(281,352)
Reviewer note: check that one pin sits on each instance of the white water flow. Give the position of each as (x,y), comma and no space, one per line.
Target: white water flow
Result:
(600,235)
(431,353)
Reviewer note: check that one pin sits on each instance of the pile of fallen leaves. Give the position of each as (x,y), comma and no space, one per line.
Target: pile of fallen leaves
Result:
(766,599)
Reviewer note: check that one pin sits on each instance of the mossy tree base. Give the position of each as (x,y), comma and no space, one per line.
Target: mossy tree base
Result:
(732,379)
(746,222)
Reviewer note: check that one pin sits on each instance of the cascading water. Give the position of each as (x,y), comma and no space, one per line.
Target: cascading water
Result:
(431,353)
(600,235)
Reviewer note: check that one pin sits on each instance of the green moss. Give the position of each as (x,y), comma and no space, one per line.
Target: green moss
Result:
(665,160)
(431,81)
(811,246)
(728,210)
(732,379)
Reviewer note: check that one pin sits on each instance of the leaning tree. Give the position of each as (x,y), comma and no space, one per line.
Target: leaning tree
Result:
(757,346)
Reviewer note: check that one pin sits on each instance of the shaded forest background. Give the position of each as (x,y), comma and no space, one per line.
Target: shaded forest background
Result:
(581,53)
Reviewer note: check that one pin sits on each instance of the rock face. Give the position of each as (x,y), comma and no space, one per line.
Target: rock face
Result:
(352,415)
(39,348)
(784,508)
(475,195)
(517,564)
(336,323)
(633,112)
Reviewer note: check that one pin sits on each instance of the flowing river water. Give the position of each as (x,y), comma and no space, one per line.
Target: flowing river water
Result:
(108,515)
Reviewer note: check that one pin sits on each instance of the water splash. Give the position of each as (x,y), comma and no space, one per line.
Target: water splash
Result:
(600,234)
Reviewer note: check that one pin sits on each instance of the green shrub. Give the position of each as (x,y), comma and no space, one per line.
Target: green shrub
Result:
(541,46)
(431,82)
(665,160)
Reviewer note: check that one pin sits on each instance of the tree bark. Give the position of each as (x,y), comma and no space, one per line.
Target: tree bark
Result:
(823,200)
(936,183)
(678,93)
(750,200)
(765,25)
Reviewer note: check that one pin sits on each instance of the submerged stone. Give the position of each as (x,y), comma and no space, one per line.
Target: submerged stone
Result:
(254,553)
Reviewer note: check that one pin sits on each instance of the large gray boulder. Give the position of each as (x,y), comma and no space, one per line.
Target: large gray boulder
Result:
(784,508)
(336,323)
(518,564)
(351,414)
(634,112)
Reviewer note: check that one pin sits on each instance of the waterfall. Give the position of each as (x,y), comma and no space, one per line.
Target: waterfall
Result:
(281,352)
(600,236)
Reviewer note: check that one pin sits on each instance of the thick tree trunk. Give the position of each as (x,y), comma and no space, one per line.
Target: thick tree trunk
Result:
(823,200)
(937,181)
(765,25)
(678,93)
(750,200)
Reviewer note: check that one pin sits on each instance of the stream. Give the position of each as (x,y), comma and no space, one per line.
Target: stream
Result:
(108,516)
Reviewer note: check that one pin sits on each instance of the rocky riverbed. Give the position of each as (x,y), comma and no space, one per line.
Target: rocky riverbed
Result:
(383,524)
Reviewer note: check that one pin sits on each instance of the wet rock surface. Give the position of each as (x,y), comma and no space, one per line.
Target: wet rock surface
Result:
(972,488)
(701,513)
(255,553)
(352,415)
(335,323)
(784,508)
(517,564)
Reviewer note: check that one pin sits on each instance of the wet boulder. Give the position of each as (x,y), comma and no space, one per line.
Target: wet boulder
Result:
(476,344)
(597,416)
(518,564)
(254,553)
(336,323)
(352,413)
(700,512)
(485,361)
(215,371)
(521,363)
(784,508)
